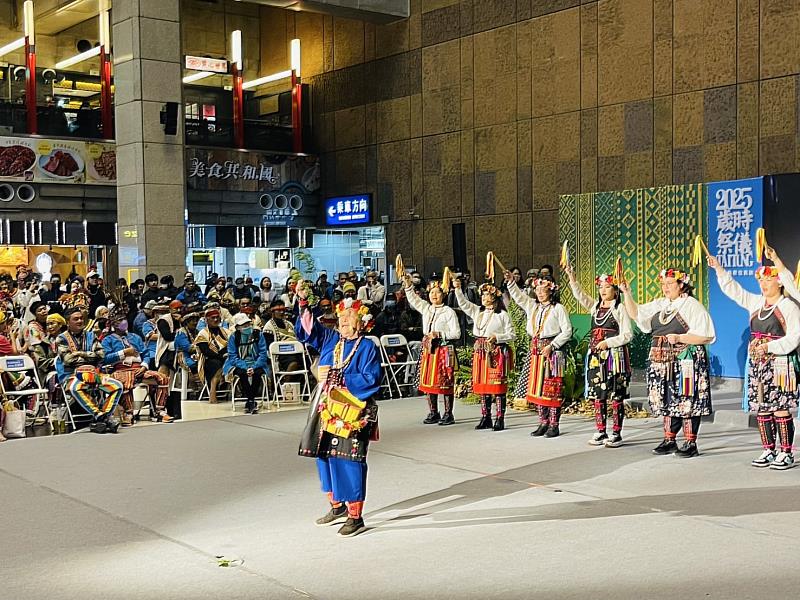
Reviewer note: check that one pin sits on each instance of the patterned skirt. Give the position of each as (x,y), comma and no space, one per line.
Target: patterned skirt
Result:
(772,383)
(678,382)
(437,367)
(608,374)
(490,368)
(545,376)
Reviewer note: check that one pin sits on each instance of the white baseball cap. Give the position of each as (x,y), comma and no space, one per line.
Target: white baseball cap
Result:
(240,319)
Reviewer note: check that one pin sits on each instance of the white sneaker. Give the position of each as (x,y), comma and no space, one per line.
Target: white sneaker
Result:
(783,461)
(765,459)
(598,439)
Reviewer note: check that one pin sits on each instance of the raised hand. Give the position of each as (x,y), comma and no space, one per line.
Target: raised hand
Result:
(770,253)
(714,263)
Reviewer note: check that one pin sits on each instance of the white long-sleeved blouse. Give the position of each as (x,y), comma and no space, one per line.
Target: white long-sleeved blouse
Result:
(753,303)
(690,310)
(619,313)
(550,320)
(486,322)
(442,319)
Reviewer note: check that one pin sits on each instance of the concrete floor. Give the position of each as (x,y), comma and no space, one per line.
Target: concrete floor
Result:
(453,513)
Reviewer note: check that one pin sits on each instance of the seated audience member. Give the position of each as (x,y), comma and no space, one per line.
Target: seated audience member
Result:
(212,347)
(247,359)
(191,292)
(185,351)
(126,354)
(80,354)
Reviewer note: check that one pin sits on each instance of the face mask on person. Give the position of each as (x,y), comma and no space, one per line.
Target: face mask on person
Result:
(163,286)
(247,331)
(240,286)
(122,326)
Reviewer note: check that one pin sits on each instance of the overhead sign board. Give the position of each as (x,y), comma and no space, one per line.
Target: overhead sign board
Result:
(348,210)
(203,63)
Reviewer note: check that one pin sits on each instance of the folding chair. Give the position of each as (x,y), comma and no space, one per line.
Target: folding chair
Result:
(289,348)
(24,364)
(386,380)
(68,401)
(404,368)
(263,398)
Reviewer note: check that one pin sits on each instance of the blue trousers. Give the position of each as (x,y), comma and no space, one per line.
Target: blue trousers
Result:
(347,479)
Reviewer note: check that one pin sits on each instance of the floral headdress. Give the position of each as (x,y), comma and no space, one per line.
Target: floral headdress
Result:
(489,288)
(765,272)
(552,285)
(606,278)
(361,309)
(676,274)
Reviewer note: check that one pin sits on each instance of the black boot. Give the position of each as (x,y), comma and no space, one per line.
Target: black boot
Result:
(447,417)
(432,418)
(541,430)
(484,423)
(667,446)
(500,421)
(486,419)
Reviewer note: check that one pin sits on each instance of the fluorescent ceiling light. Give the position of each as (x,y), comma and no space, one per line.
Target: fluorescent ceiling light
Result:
(78,58)
(295,53)
(197,76)
(236,49)
(15,45)
(269,78)
(27,19)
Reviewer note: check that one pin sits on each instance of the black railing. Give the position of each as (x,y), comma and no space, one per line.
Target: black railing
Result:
(258,135)
(52,121)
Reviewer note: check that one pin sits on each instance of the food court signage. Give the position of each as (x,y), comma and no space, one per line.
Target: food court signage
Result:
(57,161)
(249,188)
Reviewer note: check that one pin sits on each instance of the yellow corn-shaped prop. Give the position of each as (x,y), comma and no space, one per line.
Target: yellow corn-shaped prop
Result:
(761,243)
(490,266)
(399,267)
(619,271)
(447,276)
(797,275)
(700,251)
(564,256)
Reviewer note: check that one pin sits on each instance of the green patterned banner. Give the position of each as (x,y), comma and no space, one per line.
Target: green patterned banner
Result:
(650,229)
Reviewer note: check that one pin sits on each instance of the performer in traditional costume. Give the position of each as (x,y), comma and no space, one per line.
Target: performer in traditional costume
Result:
(608,363)
(438,363)
(343,419)
(678,371)
(549,328)
(772,370)
(492,359)
(126,354)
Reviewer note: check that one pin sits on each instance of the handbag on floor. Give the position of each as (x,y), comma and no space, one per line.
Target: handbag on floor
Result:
(14,421)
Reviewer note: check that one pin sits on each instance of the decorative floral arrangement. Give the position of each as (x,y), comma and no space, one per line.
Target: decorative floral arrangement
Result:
(674,274)
(606,278)
(766,272)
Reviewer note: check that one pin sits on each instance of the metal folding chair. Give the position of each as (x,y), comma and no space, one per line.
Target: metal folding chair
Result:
(289,348)
(386,380)
(401,372)
(263,398)
(24,364)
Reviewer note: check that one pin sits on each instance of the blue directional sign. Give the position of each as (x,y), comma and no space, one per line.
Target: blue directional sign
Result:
(348,210)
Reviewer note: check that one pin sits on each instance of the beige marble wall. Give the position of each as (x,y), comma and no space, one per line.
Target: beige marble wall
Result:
(150,165)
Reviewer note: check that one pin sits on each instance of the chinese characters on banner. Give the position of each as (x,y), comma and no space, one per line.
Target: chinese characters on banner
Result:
(233,170)
(734,232)
(735,212)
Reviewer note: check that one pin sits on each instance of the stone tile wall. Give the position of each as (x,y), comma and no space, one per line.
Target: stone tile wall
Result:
(485,111)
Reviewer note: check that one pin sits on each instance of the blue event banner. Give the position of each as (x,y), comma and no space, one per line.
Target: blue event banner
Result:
(735,212)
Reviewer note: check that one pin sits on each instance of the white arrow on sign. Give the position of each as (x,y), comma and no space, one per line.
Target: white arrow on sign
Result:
(331,212)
